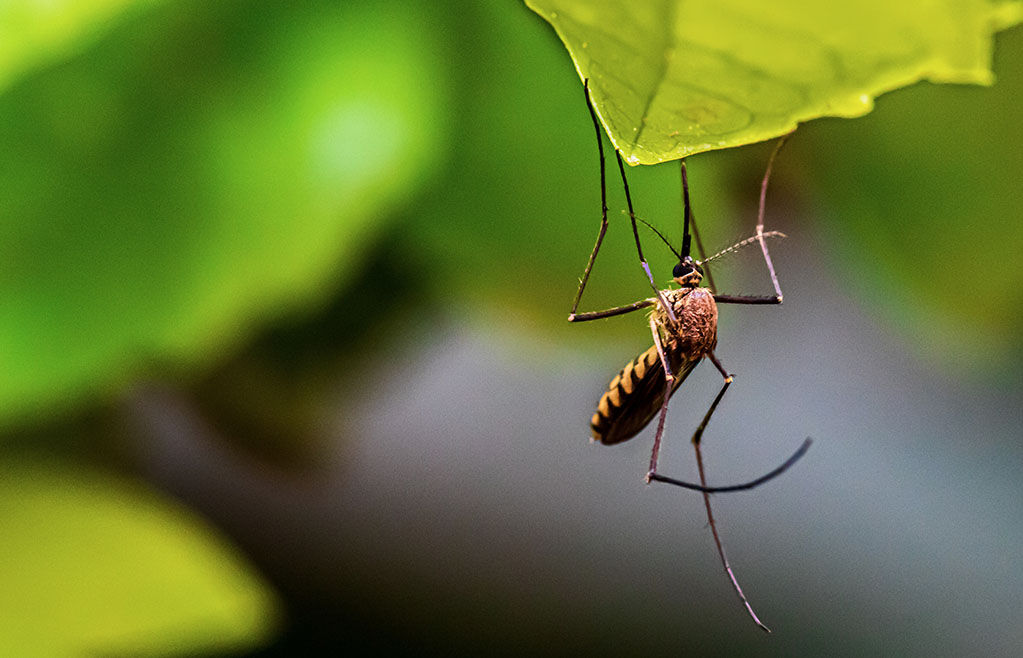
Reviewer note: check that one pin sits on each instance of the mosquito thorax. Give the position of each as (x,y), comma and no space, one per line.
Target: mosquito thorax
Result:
(687,273)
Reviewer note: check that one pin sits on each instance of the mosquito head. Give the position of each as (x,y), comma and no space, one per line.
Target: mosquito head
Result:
(687,273)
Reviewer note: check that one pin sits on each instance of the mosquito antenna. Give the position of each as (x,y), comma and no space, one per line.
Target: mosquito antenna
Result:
(660,235)
(743,243)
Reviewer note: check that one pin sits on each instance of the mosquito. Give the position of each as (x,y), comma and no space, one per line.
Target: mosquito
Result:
(683,324)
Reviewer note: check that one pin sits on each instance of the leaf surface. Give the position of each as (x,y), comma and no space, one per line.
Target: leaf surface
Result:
(671,78)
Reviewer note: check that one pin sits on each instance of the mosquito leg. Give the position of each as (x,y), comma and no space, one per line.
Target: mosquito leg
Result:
(618,310)
(717,541)
(706,496)
(745,486)
(572,316)
(743,299)
(760,217)
(689,220)
(603,207)
(669,376)
(699,248)
(653,476)
(669,381)
(639,248)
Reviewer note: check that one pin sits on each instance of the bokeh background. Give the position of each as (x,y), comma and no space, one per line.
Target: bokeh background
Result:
(285,370)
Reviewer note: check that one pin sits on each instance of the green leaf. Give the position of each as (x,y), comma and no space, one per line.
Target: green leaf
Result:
(195,174)
(671,78)
(93,565)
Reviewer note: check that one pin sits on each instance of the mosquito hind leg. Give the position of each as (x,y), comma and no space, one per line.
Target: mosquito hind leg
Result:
(653,476)
(697,436)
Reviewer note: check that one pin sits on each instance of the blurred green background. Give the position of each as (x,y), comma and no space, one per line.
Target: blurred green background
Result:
(284,368)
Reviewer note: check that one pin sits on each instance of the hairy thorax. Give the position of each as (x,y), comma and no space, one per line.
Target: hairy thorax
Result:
(696,333)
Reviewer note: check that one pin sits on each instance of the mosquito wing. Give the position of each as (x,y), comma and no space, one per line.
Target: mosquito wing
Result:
(635,395)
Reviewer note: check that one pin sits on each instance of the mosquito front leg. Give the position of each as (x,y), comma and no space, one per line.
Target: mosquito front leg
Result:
(603,208)
(746,299)
(618,310)
(761,237)
(639,248)
(573,315)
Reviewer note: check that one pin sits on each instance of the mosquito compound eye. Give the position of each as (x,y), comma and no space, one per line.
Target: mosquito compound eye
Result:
(681,270)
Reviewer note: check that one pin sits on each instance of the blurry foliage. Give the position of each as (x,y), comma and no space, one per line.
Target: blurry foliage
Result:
(192,173)
(34,34)
(279,396)
(923,204)
(199,168)
(179,179)
(673,78)
(95,565)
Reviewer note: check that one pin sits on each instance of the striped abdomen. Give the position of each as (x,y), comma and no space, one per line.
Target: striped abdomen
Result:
(635,395)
